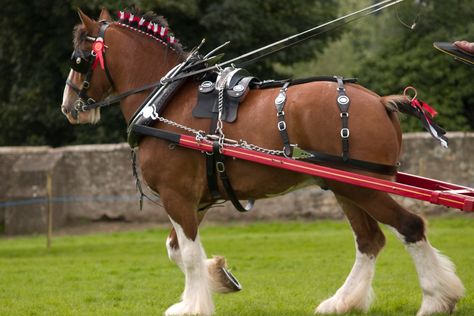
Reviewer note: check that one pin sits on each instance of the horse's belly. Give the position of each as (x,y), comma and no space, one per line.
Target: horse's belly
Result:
(304,184)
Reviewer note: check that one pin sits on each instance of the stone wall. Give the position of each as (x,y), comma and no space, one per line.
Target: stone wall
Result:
(95,182)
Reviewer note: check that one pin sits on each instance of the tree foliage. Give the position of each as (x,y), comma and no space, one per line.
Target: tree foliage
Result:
(406,57)
(35,46)
(386,55)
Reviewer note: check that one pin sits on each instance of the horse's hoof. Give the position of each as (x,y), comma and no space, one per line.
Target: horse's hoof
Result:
(341,305)
(221,279)
(329,306)
(177,309)
(182,309)
(430,307)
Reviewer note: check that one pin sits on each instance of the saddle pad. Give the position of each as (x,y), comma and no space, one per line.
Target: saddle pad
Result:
(235,91)
(207,105)
(454,51)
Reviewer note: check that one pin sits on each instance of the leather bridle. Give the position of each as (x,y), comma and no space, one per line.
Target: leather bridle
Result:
(84,62)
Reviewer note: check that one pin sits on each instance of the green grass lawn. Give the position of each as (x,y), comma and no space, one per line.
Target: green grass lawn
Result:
(285,269)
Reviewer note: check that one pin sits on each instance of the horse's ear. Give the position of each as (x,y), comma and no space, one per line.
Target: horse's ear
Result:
(86,21)
(105,15)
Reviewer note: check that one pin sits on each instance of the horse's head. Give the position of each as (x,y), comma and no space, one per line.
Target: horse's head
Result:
(89,79)
(135,52)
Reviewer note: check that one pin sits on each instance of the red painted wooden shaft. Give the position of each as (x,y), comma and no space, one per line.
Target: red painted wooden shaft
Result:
(436,192)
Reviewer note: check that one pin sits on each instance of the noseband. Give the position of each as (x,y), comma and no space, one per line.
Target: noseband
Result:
(85,62)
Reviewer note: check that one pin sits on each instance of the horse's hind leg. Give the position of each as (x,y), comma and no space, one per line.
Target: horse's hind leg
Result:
(441,287)
(356,293)
(220,278)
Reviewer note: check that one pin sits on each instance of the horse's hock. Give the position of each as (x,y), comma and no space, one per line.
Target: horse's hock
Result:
(95,183)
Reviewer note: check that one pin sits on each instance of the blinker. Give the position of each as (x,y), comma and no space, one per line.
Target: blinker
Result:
(80,61)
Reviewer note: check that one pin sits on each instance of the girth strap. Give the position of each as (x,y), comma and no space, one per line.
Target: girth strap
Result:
(211,165)
(211,176)
(215,165)
(220,167)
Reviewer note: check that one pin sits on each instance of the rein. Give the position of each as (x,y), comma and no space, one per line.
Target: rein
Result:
(115,99)
(293,40)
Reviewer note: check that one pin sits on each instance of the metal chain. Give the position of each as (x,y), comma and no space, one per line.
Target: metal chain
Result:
(183,127)
(220,109)
(244,144)
(201,135)
(220,137)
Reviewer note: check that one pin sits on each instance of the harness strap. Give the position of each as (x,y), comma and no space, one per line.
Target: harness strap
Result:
(107,72)
(280,102)
(212,176)
(278,83)
(85,86)
(137,178)
(103,27)
(220,167)
(343,103)
(211,166)
(318,158)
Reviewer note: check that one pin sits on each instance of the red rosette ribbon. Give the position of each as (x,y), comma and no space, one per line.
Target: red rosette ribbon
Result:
(98,50)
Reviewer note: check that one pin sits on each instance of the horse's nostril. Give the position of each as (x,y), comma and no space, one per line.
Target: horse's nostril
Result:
(64,109)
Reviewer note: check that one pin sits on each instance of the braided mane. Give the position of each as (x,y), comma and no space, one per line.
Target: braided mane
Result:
(150,24)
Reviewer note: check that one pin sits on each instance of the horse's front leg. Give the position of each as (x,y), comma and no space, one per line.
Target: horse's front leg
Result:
(197,297)
(220,278)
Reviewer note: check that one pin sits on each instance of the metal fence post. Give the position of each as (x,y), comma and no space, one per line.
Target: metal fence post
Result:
(49,219)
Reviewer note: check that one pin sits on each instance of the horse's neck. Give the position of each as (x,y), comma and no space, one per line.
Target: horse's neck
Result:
(141,61)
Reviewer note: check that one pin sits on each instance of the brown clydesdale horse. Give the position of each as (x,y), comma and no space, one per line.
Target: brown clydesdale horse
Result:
(135,58)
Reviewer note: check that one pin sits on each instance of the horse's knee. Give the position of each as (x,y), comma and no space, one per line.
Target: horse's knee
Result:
(373,244)
(369,237)
(412,228)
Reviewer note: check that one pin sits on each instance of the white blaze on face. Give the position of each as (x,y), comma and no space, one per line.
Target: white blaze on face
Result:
(68,96)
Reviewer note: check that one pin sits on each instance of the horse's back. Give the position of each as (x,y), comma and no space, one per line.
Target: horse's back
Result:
(314,121)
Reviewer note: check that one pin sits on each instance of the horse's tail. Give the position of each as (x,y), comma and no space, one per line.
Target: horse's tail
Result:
(397,103)
(400,103)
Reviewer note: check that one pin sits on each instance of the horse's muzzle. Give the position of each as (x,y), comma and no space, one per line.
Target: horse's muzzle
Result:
(64,109)
(70,113)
